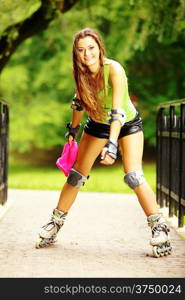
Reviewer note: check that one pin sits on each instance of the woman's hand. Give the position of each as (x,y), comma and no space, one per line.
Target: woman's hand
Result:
(106,159)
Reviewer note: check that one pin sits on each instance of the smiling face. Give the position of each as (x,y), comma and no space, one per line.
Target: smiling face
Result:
(88,51)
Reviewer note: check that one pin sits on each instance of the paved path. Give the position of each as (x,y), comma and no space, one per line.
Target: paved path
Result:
(105,235)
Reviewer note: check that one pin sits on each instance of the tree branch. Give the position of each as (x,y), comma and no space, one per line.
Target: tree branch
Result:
(15,34)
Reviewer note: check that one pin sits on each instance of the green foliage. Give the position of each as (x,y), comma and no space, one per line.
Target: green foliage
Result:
(128,24)
(16,11)
(146,37)
(37,112)
(156,75)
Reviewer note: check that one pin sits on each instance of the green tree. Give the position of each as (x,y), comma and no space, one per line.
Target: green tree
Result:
(146,37)
(23,19)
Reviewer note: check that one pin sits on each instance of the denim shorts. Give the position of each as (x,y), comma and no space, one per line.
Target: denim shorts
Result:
(102,131)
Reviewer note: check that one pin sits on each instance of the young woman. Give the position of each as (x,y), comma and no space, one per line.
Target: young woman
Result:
(102,91)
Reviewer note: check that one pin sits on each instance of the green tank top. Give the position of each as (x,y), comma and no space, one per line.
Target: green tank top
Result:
(106,98)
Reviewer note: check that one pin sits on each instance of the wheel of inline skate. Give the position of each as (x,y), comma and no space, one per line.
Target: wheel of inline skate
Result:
(39,243)
(155,251)
(170,250)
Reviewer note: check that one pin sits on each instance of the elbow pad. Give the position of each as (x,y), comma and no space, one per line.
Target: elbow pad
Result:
(117,114)
(76,104)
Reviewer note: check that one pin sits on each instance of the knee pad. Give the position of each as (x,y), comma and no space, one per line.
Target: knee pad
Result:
(134,179)
(76,179)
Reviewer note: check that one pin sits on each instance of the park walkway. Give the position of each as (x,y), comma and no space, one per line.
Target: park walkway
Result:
(105,235)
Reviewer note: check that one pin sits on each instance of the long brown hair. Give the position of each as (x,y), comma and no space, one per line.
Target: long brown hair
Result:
(87,86)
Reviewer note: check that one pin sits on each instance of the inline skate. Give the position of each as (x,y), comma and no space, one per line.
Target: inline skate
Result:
(160,240)
(48,233)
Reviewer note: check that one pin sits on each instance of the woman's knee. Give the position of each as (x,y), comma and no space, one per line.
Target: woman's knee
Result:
(79,166)
(134,178)
(76,178)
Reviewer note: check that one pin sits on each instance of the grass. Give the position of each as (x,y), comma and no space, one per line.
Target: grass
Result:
(102,179)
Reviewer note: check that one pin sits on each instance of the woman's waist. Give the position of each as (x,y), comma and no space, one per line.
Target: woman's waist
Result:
(105,124)
(130,115)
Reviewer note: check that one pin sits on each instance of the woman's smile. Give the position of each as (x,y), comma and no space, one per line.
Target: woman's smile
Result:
(88,51)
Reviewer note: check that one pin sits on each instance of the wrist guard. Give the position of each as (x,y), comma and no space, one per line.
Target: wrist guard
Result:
(77,104)
(112,148)
(72,131)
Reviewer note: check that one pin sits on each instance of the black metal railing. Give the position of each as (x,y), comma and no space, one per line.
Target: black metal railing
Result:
(170,187)
(4,130)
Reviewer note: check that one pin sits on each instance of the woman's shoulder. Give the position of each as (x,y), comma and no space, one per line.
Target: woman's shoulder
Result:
(107,61)
(115,66)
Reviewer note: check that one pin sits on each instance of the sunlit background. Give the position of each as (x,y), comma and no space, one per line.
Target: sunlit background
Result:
(146,37)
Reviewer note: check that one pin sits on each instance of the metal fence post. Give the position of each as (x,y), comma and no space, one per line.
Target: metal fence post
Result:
(171,158)
(181,162)
(171,203)
(4,134)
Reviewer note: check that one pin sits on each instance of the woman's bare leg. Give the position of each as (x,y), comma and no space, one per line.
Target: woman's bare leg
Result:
(89,148)
(132,153)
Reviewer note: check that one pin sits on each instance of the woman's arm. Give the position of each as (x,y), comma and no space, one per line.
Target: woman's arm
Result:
(77,111)
(74,126)
(118,81)
(76,118)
